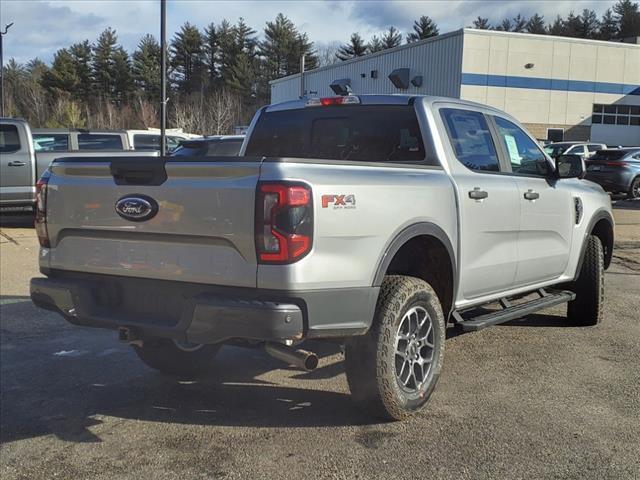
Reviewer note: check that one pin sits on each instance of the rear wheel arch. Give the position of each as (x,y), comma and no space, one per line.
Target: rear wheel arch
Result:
(424,251)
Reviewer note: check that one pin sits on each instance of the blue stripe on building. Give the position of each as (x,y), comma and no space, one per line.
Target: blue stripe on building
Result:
(537,83)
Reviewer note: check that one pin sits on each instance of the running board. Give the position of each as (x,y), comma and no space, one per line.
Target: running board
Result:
(513,312)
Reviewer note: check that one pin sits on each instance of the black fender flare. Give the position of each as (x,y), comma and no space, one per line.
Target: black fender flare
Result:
(601,214)
(412,231)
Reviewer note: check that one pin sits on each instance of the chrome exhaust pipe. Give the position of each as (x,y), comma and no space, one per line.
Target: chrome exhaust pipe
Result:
(298,358)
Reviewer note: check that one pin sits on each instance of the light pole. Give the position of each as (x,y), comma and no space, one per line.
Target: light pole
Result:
(2,34)
(163,77)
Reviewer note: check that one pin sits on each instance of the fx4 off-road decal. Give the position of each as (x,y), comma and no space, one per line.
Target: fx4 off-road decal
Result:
(339,201)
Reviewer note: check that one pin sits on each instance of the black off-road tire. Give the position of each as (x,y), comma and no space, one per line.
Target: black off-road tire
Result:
(168,358)
(370,358)
(634,189)
(587,308)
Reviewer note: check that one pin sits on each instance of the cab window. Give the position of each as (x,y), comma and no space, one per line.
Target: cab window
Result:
(9,139)
(524,155)
(471,139)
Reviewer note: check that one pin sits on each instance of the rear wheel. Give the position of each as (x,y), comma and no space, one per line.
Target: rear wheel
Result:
(177,358)
(393,369)
(634,189)
(587,308)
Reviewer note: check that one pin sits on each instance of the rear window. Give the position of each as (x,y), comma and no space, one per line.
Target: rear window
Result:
(368,133)
(99,141)
(215,148)
(54,142)
(9,139)
(609,154)
(146,141)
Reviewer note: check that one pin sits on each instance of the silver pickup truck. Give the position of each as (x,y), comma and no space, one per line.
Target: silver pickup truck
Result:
(25,155)
(370,220)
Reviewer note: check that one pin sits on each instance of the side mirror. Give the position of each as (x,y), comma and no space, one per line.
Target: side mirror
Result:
(570,166)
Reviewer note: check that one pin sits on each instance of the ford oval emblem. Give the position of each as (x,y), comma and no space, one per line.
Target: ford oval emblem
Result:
(137,208)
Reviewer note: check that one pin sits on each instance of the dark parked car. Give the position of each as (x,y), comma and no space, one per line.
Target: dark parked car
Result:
(616,170)
(215,146)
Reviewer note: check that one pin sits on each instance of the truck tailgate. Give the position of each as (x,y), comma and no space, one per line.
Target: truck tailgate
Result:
(203,231)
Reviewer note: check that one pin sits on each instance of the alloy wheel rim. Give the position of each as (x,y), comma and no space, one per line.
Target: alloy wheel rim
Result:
(414,349)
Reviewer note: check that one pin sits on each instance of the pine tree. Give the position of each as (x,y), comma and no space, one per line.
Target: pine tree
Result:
(589,24)
(355,48)
(627,14)
(505,26)
(187,58)
(282,48)
(535,24)
(519,23)
(608,26)
(82,58)
(423,28)
(61,77)
(481,23)
(103,64)
(557,28)
(245,37)
(122,77)
(391,38)
(243,76)
(375,45)
(572,25)
(211,53)
(146,67)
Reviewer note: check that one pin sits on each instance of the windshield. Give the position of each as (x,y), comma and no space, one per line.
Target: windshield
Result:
(610,155)
(556,149)
(382,133)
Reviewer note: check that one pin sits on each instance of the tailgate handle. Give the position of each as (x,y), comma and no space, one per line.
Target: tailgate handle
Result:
(137,171)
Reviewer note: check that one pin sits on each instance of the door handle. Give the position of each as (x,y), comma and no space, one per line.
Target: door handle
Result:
(17,164)
(478,194)
(531,195)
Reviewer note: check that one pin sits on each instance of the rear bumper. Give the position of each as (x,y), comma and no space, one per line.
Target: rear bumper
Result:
(203,313)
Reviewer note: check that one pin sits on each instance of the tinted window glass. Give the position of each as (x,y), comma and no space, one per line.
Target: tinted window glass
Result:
(609,155)
(146,142)
(226,148)
(191,149)
(55,142)
(368,133)
(471,139)
(99,141)
(594,148)
(9,139)
(523,153)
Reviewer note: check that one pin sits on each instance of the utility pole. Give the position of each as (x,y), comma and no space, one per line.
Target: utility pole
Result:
(163,77)
(2,34)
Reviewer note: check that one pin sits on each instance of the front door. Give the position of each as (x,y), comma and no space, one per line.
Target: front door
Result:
(546,207)
(16,169)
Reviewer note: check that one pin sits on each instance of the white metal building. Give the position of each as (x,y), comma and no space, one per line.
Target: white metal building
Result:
(560,88)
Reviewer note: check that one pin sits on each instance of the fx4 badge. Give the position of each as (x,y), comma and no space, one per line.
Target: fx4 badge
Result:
(339,201)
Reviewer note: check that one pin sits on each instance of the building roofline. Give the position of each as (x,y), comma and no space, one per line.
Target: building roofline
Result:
(460,31)
(588,41)
(406,46)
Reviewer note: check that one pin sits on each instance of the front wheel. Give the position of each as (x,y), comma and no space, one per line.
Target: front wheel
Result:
(177,358)
(587,308)
(393,369)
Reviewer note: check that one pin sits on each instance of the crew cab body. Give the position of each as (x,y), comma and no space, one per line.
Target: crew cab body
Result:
(25,155)
(294,238)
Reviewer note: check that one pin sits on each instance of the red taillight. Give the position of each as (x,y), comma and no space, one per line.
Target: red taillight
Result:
(329,101)
(284,222)
(616,164)
(41,210)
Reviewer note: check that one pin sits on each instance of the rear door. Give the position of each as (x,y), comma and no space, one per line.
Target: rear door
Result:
(546,207)
(488,203)
(17,181)
(101,141)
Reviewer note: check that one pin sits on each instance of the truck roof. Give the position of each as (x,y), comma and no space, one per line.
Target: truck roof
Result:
(383,99)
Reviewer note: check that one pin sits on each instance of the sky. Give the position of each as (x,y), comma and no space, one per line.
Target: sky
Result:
(41,27)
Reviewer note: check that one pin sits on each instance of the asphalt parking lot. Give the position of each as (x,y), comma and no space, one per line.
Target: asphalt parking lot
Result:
(535,398)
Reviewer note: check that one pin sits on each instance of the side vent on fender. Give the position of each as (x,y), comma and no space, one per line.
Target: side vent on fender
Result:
(577,203)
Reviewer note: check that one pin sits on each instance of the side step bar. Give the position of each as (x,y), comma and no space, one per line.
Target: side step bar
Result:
(513,312)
